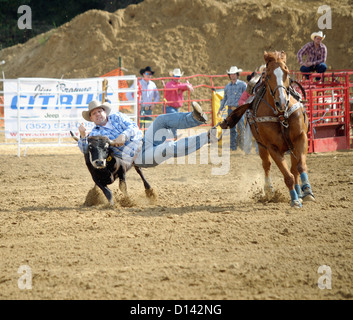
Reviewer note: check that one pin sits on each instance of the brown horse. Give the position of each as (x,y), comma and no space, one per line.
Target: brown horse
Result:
(279,124)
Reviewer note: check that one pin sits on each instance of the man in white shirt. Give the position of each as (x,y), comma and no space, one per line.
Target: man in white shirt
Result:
(149,96)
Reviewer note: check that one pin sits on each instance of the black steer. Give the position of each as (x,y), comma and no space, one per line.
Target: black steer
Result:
(105,167)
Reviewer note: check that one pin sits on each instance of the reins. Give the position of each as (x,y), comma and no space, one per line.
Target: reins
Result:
(273,92)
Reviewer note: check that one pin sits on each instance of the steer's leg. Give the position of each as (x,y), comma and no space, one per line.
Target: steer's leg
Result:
(107,192)
(125,201)
(149,191)
(145,183)
(122,181)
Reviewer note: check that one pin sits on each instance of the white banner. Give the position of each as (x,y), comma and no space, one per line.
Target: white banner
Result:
(45,108)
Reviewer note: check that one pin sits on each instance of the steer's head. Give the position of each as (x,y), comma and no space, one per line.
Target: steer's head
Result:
(98,151)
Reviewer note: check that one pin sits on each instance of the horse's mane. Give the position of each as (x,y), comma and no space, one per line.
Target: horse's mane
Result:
(275,56)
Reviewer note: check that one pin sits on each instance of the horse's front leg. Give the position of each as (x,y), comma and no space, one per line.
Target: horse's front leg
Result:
(295,173)
(301,147)
(289,180)
(266,164)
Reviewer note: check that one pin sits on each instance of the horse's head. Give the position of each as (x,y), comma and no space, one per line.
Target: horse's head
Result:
(277,78)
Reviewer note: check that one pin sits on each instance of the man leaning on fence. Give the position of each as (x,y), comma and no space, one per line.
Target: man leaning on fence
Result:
(232,93)
(149,97)
(173,95)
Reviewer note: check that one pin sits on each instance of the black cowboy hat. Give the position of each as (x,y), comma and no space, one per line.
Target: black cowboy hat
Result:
(250,76)
(149,69)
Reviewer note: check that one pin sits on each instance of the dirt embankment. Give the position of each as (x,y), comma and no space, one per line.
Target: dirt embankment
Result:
(200,36)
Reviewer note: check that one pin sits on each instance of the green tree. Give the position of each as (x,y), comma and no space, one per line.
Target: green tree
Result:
(47,15)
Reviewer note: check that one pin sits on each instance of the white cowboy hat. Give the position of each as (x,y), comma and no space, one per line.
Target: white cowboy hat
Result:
(93,105)
(176,73)
(317,34)
(261,69)
(234,70)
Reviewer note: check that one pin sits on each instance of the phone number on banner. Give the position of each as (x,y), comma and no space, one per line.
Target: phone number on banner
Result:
(51,126)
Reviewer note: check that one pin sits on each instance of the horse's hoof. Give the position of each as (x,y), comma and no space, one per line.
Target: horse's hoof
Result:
(309,197)
(296,204)
(269,191)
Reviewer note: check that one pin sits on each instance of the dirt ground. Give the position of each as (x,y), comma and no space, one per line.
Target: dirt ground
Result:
(206,237)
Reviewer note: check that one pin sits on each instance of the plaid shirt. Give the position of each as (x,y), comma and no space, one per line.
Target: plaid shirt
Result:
(232,94)
(313,56)
(122,125)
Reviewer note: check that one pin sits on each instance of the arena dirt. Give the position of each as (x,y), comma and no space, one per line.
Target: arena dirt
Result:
(205,237)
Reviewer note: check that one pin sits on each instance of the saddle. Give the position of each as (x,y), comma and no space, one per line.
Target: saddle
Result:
(252,104)
(251,107)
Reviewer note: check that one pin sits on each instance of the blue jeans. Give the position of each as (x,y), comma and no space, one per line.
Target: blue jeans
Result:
(157,149)
(319,68)
(145,122)
(234,133)
(169,109)
(248,140)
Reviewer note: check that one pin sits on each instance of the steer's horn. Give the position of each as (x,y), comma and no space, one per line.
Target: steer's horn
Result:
(73,136)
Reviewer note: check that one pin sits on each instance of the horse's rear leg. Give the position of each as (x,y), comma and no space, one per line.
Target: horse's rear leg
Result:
(288,176)
(149,191)
(266,164)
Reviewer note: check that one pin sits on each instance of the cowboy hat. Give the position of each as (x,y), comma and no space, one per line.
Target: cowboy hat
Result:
(147,69)
(234,70)
(93,105)
(317,34)
(251,83)
(176,73)
(262,68)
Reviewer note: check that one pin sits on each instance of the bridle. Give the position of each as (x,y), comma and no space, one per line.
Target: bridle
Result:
(273,92)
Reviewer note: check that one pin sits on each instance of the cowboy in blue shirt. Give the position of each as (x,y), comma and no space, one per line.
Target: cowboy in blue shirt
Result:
(154,147)
(125,134)
(232,94)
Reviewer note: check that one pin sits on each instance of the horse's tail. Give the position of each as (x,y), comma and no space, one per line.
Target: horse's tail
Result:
(235,116)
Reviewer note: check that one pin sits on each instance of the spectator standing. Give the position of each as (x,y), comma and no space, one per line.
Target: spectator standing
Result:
(149,96)
(232,94)
(174,93)
(253,79)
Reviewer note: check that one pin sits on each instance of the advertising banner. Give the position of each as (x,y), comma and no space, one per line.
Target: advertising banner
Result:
(44,108)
